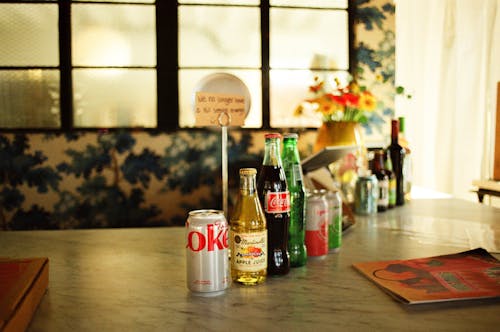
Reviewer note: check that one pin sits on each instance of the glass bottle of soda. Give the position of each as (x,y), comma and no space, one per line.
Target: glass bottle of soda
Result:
(275,200)
(248,233)
(294,178)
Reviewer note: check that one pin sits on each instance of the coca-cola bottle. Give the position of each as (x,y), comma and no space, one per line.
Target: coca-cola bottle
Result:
(275,200)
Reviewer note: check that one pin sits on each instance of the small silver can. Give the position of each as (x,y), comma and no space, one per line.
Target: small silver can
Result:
(207,261)
(366,195)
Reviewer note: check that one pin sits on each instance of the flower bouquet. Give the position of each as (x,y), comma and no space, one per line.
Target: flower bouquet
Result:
(349,102)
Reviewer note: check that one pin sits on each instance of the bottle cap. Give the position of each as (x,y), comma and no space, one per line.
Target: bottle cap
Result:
(291,135)
(363,172)
(273,135)
(401,120)
(248,171)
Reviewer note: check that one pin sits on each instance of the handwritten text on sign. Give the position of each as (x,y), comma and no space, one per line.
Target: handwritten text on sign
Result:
(215,109)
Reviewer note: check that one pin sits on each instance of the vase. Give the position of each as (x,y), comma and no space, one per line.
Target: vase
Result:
(344,170)
(338,133)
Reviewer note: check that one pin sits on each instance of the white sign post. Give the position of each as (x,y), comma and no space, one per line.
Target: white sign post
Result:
(222,110)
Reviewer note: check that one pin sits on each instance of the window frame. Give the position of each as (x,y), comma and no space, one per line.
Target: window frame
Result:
(167,63)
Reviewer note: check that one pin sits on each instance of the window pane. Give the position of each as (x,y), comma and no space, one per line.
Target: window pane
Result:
(189,78)
(113,35)
(114,97)
(310,3)
(29,99)
(132,1)
(219,37)
(288,89)
(319,39)
(223,2)
(29,35)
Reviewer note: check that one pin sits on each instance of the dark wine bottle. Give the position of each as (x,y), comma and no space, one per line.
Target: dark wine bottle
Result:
(397,154)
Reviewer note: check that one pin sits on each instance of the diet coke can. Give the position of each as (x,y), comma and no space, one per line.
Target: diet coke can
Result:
(207,260)
(317,225)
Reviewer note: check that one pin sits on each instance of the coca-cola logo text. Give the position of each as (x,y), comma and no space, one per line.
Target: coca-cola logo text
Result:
(278,202)
(197,241)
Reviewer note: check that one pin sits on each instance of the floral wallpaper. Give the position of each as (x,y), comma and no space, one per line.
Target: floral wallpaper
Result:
(117,179)
(139,179)
(375,56)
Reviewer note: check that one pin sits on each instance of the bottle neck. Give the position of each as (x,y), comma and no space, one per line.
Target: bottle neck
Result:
(290,149)
(247,185)
(272,152)
(378,162)
(394,131)
(401,125)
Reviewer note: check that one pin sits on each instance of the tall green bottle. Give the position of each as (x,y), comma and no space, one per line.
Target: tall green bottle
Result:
(294,177)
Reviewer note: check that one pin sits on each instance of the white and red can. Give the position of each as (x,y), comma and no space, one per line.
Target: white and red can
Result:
(207,261)
(316,240)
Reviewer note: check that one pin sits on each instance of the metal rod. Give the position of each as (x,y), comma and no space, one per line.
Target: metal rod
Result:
(224,172)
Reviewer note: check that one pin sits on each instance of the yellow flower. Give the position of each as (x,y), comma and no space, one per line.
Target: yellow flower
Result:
(354,88)
(367,101)
(325,105)
(299,110)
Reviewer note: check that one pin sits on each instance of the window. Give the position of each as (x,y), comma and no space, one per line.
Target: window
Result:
(136,63)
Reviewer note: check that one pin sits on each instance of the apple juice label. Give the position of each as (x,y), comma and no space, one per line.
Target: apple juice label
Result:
(249,251)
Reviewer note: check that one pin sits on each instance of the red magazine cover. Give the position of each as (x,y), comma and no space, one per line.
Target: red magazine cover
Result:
(23,283)
(473,274)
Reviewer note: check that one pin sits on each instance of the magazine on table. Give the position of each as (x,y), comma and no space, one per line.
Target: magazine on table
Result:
(473,274)
(23,283)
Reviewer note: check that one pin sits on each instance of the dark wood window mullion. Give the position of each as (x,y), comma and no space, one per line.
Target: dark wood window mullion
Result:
(167,65)
(264,29)
(66,83)
(351,7)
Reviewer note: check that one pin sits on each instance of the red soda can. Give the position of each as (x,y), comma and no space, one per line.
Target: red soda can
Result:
(207,261)
(316,225)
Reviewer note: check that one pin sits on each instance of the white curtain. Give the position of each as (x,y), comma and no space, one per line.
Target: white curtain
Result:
(448,58)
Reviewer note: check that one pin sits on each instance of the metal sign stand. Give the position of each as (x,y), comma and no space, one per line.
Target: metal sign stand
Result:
(224,121)
(226,84)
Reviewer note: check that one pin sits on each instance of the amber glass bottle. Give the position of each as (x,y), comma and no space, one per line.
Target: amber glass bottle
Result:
(248,233)
(383,180)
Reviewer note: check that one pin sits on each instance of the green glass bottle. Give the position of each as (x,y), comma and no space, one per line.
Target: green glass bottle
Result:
(294,177)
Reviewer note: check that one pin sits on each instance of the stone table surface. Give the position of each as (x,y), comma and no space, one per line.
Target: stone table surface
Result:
(134,279)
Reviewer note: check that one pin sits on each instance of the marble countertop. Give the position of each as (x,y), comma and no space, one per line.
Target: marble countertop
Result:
(134,279)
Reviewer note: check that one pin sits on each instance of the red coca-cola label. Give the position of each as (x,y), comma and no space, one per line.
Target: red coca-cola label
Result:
(216,239)
(277,202)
